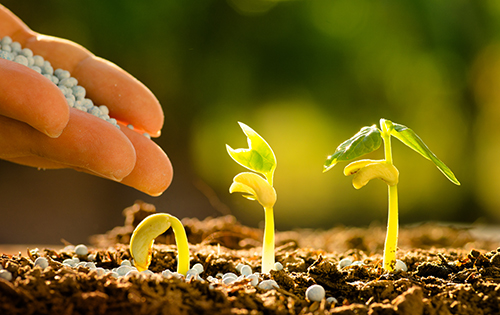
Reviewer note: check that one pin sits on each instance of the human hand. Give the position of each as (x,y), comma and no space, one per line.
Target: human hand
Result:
(39,129)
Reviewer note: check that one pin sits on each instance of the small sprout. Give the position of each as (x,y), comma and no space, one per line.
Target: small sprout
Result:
(259,157)
(369,139)
(141,242)
(315,293)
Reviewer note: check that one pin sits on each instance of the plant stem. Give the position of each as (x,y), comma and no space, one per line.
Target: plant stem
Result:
(391,239)
(268,243)
(182,245)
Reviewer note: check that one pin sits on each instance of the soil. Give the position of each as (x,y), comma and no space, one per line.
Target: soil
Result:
(451,270)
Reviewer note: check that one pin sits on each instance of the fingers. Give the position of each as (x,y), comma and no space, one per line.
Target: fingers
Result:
(27,96)
(153,171)
(90,145)
(128,100)
(87,143)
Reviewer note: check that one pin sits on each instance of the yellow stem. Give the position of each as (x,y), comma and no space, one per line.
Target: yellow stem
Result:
(182,245)
(391,239)
(268,242)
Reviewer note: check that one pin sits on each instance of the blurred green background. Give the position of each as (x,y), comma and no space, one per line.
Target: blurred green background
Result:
(306,75)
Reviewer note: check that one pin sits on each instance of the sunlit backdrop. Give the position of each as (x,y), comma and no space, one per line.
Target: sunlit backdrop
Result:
(306,75)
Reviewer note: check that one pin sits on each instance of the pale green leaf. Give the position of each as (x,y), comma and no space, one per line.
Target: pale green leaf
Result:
(413,141)
(367,140)
(259,157)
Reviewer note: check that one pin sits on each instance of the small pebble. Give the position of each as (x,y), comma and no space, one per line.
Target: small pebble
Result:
(315,293)
(331,300)
(126,262)
(132,272)
(254,279)
(177,275)
(167,273)
(400,266)
(357,263)
(90,265)
(238,267)
(268,285)
(198,267)
(147,272)
(344,263)
(100,271)
(5,274)
(81,250)
(246,270)
(229,275)
(42,262)
(278,266)
(228,280)
(69,262)
(21,59)
(123,270)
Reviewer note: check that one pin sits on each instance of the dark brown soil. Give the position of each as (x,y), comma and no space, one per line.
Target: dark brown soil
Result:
(451,270)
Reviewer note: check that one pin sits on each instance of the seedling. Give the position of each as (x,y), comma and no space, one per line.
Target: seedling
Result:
(259,157)
(369,139)
(151,227)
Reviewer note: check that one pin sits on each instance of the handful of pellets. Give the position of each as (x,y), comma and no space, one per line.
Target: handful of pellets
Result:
(74,93)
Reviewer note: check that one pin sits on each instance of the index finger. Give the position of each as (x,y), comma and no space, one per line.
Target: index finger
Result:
(128,100)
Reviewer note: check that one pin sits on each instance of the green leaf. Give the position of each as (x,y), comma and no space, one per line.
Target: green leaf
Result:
(413,141)
(259,157)
(367,140)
